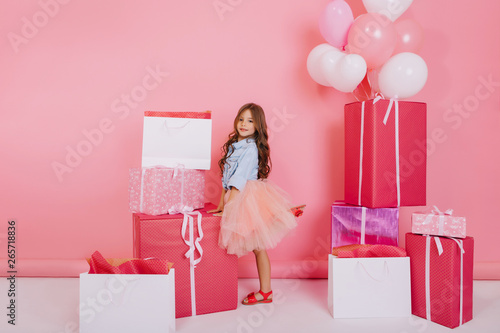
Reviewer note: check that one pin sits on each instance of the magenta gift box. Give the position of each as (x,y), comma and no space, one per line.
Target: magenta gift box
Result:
(385,153)
(211,285)
(380,225)
(160,190)
(433,223)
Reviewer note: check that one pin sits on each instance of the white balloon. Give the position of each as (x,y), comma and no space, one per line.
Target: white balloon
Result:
(402,76)
(328,63)
(352,71)
(343,72)
(314,63)
(390,8)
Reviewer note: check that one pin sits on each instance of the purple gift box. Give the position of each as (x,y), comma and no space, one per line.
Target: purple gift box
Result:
(361,225)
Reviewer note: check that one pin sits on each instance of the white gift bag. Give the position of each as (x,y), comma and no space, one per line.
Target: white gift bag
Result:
(127,303)
(171,139)
(369,287)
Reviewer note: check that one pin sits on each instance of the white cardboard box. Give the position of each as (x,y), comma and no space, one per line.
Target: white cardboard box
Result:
(369,287)
(127,303)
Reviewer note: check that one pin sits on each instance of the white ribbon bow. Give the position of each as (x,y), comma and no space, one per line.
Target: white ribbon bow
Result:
(194,244)
(436,211)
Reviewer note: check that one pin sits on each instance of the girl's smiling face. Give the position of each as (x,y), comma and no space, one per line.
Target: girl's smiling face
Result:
(245,125)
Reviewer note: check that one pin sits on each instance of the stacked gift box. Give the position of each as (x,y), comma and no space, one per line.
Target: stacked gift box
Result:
(442,258)
(385,168)
(175,154)
(178,269)
(170,219)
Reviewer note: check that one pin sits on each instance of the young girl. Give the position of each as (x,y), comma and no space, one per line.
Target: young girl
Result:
(255,213)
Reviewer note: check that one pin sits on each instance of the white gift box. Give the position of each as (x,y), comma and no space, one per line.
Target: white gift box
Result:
(127,303)
(171,139)
(369,287)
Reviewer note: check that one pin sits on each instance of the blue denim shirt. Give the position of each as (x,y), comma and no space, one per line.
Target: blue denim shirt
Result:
(242,165)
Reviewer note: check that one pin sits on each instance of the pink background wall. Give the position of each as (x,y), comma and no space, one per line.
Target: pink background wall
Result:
(80,69)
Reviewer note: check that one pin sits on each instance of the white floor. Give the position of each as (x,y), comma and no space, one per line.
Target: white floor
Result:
(49,305)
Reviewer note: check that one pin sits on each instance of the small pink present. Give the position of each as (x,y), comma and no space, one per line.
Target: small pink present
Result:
(438,223)
(161,190)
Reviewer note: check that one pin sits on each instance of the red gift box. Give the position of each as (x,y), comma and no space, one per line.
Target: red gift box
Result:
(441,278)
(385,159)
(201,286)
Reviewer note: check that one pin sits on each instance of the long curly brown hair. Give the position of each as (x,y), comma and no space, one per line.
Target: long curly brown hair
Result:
(260,136)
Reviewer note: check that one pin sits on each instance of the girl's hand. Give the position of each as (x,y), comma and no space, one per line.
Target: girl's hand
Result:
(217,212)
(220,208)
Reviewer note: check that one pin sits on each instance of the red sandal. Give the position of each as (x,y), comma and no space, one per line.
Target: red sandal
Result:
(251,300)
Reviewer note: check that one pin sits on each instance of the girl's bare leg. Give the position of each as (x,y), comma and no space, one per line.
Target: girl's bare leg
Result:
(264,270)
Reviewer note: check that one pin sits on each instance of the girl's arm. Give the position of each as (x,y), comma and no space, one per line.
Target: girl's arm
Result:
(219,208)
(234,192)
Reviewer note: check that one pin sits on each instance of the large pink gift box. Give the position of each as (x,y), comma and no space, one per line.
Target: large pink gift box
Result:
(385,153)
(161,190)
(206,277)
(438,223)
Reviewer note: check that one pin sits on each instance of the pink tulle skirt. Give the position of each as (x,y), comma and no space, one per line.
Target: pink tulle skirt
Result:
(256,219)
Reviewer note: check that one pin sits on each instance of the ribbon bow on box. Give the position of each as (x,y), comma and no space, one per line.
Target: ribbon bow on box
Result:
(193,243)
(441,214)
(439,223)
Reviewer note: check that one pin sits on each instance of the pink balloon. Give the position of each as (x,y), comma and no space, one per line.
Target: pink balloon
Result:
(410,36)
(335,21)
(374,37)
